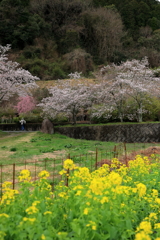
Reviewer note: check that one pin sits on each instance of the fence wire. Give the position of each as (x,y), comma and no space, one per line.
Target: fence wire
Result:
(92,160)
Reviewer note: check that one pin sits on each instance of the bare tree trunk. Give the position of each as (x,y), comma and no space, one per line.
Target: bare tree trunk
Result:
(140,113)
(74,115)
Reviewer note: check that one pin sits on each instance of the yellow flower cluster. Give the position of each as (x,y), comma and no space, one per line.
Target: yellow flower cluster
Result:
(119,203)
(44,174)
(140,163)
(33,209)
(92,225)
(141,189)
(25,176)
(26,220)
(69,164)
(8,193)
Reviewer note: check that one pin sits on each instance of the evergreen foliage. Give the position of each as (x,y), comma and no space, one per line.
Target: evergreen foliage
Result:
(42,32)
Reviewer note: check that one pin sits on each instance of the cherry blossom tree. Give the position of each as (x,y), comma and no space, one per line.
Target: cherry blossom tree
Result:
(67,98)
(132,79)
(25,104)
(114,89)
(75,75)
(140,82)
(112,93)
(14,79)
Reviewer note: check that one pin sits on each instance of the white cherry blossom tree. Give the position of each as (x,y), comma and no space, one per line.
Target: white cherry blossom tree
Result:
(67,98)
(132,79)
(14,79)
(114,87)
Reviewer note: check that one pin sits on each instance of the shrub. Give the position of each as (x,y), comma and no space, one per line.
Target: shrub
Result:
(79,60)
(13,149)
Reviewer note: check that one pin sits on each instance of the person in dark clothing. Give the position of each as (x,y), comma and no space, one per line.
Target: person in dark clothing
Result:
(22,122)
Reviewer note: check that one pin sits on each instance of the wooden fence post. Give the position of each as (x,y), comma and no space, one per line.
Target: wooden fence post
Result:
(35,173)
(14,175)
(96,158)
(126,160)
(1,179)
(115,151)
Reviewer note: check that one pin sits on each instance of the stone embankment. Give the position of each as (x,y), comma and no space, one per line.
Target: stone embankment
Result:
(128,133)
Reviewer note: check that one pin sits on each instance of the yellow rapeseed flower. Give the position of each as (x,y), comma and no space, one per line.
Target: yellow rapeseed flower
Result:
(154,193)
(145,226)
(32,210)
(44,174)
(157,225)
(47,212)
(115,178)
(62,172)
(142,236)
(6,185)
(43,237)
(153,216)
(4,215)
(92,225)
(97,185)
(69,164)
(29,220)
(78,193)
(25,176)
(141,189)
(86,211)
(104,199)
(63,234)
(8,196)
(62,194)
(83,173)
(157,200)
(35,203)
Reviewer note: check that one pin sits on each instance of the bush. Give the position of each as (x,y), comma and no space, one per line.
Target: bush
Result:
(13,149)
(56,71)
(79,60)
(31,117)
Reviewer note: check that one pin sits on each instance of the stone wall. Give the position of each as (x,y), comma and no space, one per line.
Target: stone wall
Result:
(17,127)
(128,133)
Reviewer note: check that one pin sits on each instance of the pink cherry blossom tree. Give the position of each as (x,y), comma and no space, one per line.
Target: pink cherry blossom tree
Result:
(14,79)
(25,104)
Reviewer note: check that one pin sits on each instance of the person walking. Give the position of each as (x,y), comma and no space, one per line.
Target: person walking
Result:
(22,122)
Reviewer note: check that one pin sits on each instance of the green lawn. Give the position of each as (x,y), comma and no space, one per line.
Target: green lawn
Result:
(19,147)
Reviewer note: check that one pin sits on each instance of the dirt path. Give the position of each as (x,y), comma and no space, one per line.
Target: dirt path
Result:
(11,141)
(25,138)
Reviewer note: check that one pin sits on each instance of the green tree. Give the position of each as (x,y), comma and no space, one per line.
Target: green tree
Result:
(103,30)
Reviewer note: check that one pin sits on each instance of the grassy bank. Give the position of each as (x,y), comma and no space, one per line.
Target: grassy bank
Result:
(19,147)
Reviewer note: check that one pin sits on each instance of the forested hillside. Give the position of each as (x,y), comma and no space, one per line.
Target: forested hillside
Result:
(53,38)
